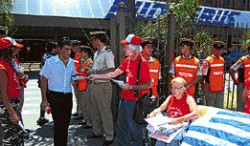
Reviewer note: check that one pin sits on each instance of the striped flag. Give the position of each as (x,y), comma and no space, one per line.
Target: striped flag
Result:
(219,127)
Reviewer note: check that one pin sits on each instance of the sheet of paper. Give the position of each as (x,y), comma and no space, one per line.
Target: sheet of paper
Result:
(118,82)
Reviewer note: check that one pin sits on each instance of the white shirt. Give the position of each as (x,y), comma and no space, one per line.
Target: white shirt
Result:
(59,76)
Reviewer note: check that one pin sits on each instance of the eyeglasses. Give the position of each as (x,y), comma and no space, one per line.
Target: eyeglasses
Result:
(175,88)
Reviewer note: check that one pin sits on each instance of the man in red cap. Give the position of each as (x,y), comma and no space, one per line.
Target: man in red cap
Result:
(242,66)
(10,93)
(125,121)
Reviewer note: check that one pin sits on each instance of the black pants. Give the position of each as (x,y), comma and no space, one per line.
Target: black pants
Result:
(61,106)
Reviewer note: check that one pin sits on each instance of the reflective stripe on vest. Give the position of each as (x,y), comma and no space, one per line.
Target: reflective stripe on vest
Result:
(187,69)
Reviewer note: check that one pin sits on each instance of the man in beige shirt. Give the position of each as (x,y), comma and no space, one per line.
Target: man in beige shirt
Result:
(102,89)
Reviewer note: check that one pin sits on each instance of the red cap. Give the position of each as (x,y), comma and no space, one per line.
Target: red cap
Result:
(132,39)
(6,42)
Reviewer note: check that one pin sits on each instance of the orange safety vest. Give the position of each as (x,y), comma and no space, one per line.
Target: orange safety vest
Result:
(83,84)
(246,64)
(216,73)
(154,69)
(77,59)
(187,69)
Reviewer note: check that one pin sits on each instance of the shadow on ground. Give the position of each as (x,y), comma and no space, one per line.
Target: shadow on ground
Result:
(77,136)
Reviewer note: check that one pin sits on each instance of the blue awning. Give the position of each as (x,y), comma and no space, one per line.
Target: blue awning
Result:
(106,9)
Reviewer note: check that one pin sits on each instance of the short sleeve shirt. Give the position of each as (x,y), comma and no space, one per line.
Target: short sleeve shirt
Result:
(130,68)
(103,60)
(59,76)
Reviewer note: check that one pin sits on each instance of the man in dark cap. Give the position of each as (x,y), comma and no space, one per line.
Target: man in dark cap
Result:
(57,91)
(154,64)
(102,89)
(213,73)
(242,66)
(187,66)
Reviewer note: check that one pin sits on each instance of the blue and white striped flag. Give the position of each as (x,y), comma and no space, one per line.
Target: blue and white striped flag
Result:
(219,127)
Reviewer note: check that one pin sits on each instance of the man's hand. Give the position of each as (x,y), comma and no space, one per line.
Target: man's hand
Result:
(92,77)
(14,118)
(124,86)
(74,83)
(236,81)
(44,105)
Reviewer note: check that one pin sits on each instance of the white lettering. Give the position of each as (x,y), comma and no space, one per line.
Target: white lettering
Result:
(185,74)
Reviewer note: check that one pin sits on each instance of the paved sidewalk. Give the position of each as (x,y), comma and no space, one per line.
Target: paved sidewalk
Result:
(43,136)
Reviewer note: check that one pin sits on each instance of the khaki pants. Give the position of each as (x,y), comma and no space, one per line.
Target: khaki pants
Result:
(86,104)
(240,105)
(214,99)
(102,114)
(78,100)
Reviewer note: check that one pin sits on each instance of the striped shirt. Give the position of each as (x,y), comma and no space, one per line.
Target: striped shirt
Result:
(59,76)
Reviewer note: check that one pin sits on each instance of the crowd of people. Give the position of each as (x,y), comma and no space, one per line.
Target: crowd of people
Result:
(90,74)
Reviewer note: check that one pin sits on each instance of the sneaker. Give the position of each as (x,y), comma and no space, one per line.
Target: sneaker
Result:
(42,121)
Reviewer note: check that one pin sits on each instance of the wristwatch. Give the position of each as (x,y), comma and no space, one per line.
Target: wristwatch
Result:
(130,87)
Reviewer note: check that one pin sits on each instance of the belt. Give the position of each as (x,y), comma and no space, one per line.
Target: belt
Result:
(62,93)
(96,83)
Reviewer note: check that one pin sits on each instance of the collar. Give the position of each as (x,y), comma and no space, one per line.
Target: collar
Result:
(57,59)
(150,59)
(103,49)
(190,56)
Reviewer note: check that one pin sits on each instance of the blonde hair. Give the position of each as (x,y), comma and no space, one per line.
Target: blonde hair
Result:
(180,81)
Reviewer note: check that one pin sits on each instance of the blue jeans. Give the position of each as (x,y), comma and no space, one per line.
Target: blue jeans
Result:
(127,125)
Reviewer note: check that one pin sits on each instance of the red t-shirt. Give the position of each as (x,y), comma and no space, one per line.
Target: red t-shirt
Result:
(177,107)
(247,84)
(130,68)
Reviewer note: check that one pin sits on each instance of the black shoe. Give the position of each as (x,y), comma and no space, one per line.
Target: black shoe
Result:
(94,136)
(87,127)
(41,121)
(82,123)
(79,118)
(75,114)
(107,142)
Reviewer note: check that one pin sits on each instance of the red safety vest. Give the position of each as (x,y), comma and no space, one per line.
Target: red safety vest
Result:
(154,69)
(187,69)
(13,88)
(83,84)
(246,63)
(216,73)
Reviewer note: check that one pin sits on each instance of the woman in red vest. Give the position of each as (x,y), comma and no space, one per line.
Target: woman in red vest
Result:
(179,106)
(10,93)
(84,88)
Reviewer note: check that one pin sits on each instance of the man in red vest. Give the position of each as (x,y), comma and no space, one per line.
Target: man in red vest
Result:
(187,66)
(213,72)
(242,66)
